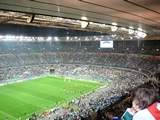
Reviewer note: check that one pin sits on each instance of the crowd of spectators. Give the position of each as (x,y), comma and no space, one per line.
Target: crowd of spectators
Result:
(122,72)
(22,61)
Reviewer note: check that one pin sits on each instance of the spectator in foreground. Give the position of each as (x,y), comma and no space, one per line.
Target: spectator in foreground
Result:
(142,98)
(150,113)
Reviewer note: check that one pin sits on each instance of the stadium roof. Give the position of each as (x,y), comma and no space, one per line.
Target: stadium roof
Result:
(101,15)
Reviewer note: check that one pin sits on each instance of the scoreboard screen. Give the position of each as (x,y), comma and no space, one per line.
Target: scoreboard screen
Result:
(106,44)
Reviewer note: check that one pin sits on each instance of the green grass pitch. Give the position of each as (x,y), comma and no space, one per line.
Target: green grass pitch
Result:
(20,100)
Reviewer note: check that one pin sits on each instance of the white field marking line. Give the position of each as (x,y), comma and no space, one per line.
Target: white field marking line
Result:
(7,114)
(22,80)
(74,79)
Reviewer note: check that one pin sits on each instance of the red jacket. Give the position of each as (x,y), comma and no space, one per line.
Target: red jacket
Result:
(154,109)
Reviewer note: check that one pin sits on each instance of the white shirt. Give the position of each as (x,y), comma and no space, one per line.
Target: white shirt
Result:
(143,115)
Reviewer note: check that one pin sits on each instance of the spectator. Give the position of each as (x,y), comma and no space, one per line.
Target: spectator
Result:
(142,98)
(150,113)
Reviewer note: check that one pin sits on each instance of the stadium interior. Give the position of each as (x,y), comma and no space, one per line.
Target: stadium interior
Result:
(114,43)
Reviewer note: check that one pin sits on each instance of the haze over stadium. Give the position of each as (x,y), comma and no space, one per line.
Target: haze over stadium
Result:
(77,59)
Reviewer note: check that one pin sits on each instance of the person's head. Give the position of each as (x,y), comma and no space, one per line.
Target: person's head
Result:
(143,97)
